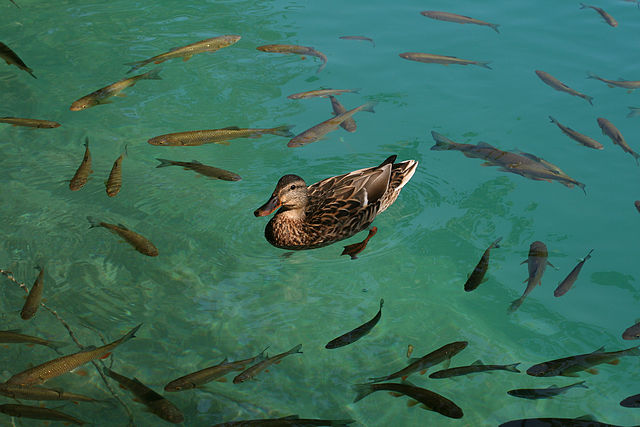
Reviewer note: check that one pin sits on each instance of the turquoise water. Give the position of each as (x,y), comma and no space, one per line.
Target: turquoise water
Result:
(219,289)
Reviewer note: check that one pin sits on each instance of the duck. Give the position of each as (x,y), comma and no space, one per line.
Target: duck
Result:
(333,209)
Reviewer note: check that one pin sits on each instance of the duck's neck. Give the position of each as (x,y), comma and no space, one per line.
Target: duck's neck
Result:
(293,215)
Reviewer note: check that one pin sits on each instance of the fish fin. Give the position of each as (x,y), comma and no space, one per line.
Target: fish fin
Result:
(395,394)
(496,243)
(553,120)
(630,91)
(552,266)
(411,403)
(284,130)
(415,359)
(164,163)
(223,142)
(600,350)
(196,162)
(513,367)
(588,98)
(255,135)
(362,391)
(221,379)
(580,384)
(515,304)
(586,417)
(442,142)
(495,27)
(88,348)
(614,362)
(186,58)
(152,75)
(121,95)
(524,262)
(369,106)
(422,372)
(477,363)
(124,227)
(485,144)
(592,371)
(263,355)
(570,374)
(407,382)
(484,64)
(404,378)
(295,349)
(105,356)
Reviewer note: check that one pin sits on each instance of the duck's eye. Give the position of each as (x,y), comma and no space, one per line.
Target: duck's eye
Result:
(293,187)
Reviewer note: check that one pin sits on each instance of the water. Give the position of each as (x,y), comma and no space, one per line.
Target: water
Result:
(219,289)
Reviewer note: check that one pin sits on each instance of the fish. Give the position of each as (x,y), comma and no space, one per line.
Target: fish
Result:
(576,136)
(422,364)
(428,399)
(477,275)
(15,337)
(11,58)
(537,263)
(156,403)
(474,368)
(441,59)
(139,243)
(458,19)
(293,48)
(363,38)
(34,297)
(356,248)
(101,96)
(264,364)
(84,170)
(612,132)
(570,366)
(631,401)
(608,18)
(524,164)
(56,367)
(203,376)
(291,420)
(38,413)
(114,182)
(196,166)
(627,84)
(31,123)
(321,93)
(637,205)
(564,422)
(41,393)
(635,111)
(559,86)
(349,125)
(357,333)
(632,332)
(320,130)
(568,281)
(543,393)
(216,136)
(186,52)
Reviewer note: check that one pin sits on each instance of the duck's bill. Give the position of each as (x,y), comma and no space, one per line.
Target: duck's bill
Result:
(272,204)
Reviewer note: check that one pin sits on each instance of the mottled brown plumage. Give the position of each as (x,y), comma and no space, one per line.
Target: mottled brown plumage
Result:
(333,209)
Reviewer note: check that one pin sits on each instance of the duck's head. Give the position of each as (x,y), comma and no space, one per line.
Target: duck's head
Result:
(290,193)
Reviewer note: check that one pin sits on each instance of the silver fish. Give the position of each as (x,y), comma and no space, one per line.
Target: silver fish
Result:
(568,281)
(537,263)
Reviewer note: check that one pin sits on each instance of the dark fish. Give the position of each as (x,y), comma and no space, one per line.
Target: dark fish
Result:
(608,18)
(101,96)
(114,182)
(356,248)
(84,170)
(542,170)
(34,298)
(205,170)
(568,282)
(444,353)
(349,125)
(458,19)
(31,123)
(11,58)
(559,86)
(474,368)
(206,375)
(156,403)
(626,84)
(357,333)
(15,337)
(612,132)
(635,111)
(215,136)
(291,420)
(537,263)
(576,136)
(570,366)
(429,400)
(363,38)
(38,413)
(56,367)
(186,52)
(543,393)
(632,332)
(556,422)
(441,59)
(631,401)
(139,242)
(292,48)
(478,273)
(322,93)
(264,364)
(41,393)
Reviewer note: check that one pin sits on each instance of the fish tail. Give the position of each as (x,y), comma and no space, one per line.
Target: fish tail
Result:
(495,27)
(590,75)
(635,111)
(93,222)
(263,354)
(152,75)
(295,349)
(86,142)
(634,351)
(378,379)
(588,98)
(553,120)
(323,58)
(588,255)
(484,64)
(136,65)
(583,6)
(164,163)
(582,187)
(341,422)
(579,384)
(442,142)
(381,303)
(284,130)
(513,367)
(496,242)
(130,334)
(636,156)
(362,391)
(369,106)
(516,304)
(30,71)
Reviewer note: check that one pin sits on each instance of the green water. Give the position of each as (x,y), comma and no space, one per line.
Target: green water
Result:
(219,289)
